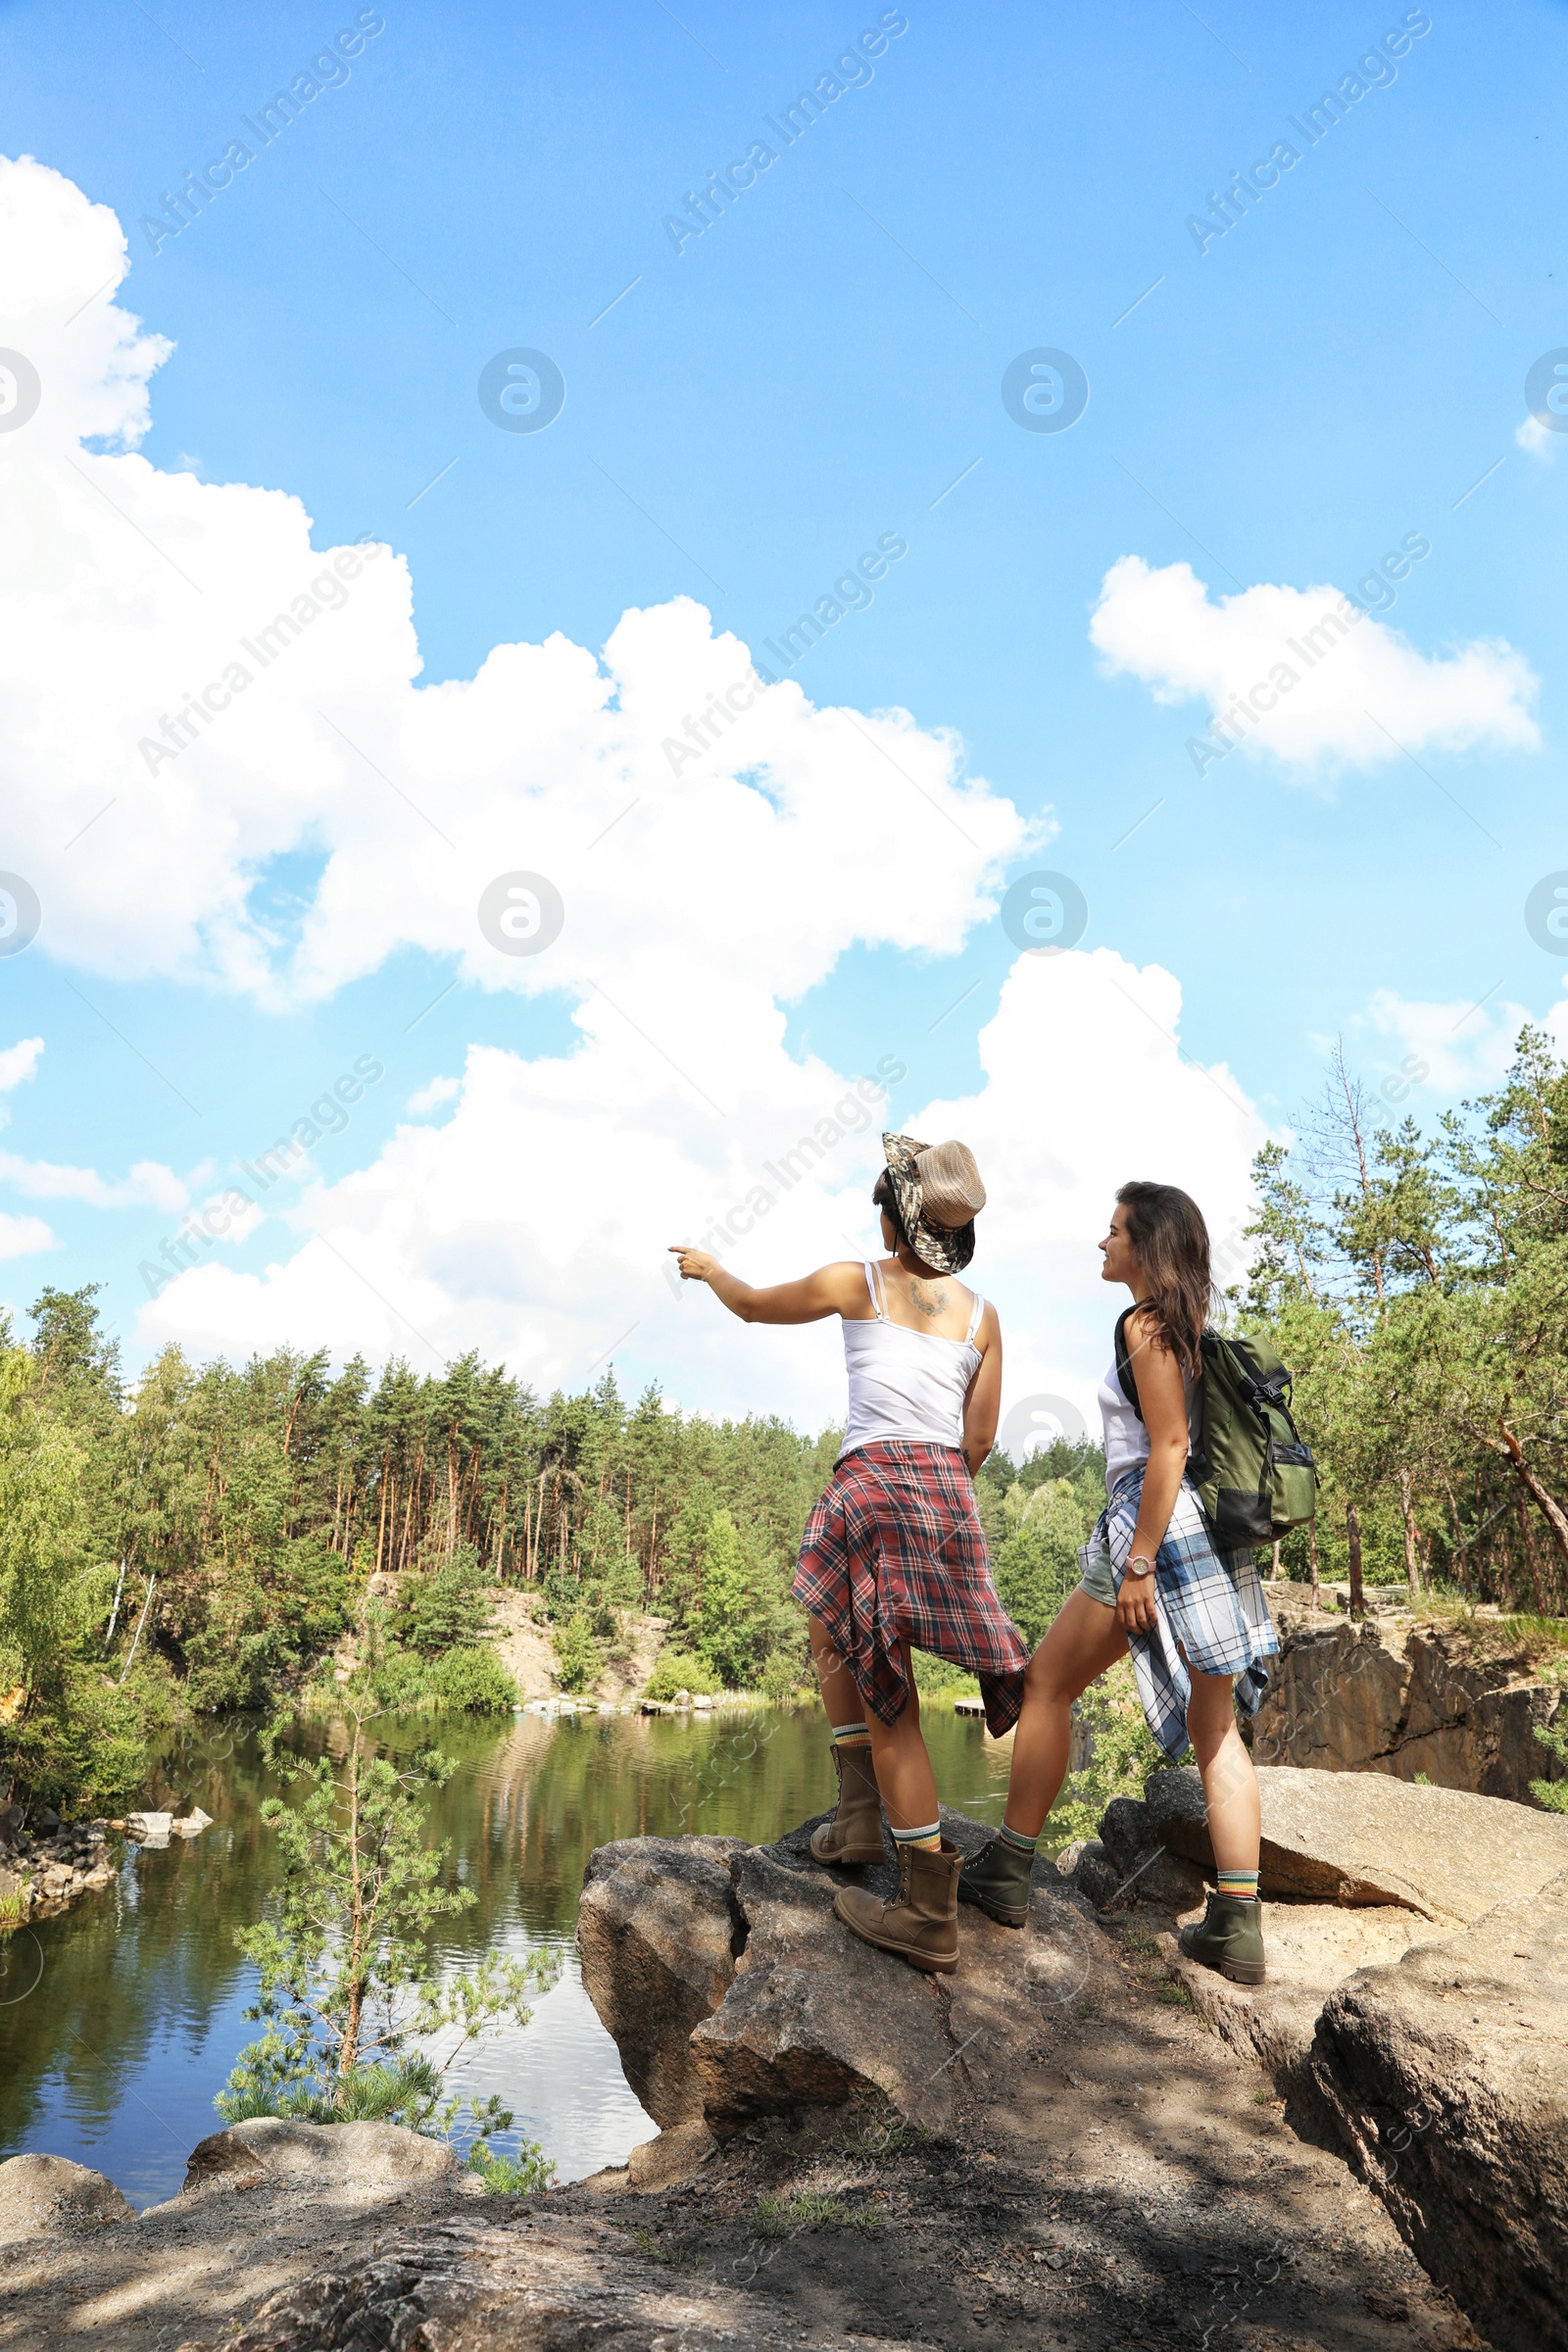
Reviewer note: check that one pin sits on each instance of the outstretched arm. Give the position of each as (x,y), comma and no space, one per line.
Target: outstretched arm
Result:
(831,1291)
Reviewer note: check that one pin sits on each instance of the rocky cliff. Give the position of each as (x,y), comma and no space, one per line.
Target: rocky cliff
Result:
(1396,1691)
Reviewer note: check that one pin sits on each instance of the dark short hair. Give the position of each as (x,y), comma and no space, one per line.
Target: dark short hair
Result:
(886,1200)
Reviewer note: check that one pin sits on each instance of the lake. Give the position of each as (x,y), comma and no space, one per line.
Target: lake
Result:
(121,2019)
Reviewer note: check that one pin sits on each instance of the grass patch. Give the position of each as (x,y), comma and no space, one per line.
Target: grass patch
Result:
(810,2209)
(1174,1993)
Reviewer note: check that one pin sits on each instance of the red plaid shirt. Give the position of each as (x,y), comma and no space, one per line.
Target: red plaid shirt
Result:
(894,1552)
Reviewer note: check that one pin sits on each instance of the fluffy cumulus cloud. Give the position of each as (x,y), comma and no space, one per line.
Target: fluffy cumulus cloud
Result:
(532,1221)
(189,693)
(1307,676)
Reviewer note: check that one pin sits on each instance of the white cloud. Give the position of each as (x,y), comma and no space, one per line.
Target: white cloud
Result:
(147,589)
(1538,440)
(439,1091)
(1421,1049)
(149,1184)
(534,1224)
(18,1063)
(1319,680)
(21,1237)
(701,898)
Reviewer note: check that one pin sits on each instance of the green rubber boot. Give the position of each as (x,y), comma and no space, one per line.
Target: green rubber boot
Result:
(1230,1937)
(998,1880)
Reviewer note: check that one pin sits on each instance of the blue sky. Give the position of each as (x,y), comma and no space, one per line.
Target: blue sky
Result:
(822,366)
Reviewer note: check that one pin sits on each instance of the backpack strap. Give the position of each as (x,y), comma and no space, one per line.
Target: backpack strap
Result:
(1124,1361)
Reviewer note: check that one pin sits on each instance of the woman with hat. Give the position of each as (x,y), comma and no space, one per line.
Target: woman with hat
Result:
(893,1556)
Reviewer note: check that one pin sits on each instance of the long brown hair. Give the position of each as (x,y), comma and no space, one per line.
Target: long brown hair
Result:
(1166,1228)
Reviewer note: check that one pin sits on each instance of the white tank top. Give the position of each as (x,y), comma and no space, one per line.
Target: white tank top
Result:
(909,1385)
(1126,1438)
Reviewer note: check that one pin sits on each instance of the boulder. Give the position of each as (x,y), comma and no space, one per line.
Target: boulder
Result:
(799,2013)
(39,2195)
(193,1824)
(1400,1694)
(1364,1839)
(355,2156)
(149,1828)
(1311,1949)
(813,2015)
(658,1933)
(1446,2075)
(1133,1866)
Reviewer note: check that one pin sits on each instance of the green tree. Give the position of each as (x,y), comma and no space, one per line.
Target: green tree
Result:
(1037,1561)
(347,1978)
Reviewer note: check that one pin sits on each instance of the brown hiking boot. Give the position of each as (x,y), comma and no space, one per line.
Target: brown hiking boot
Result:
(854,1833)
(922,1922)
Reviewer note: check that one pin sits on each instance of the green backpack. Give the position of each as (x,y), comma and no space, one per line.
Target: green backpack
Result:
(1251,1464)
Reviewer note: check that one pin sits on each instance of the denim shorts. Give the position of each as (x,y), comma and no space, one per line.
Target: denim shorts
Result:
(1098,1578)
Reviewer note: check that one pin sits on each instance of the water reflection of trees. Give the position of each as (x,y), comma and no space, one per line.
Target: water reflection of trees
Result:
(153,1958)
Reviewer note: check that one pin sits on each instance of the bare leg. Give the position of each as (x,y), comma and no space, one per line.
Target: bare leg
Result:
(841,1694)
(1230,1784)
(902,1768)
(1082,1642)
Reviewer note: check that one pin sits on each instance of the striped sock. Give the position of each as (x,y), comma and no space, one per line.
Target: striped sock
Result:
(926,1842)
(1242,1883)
(1020,1844)
(851,1734)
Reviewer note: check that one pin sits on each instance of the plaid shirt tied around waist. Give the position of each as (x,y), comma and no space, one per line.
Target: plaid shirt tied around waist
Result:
(893,1551)
(1208,1605)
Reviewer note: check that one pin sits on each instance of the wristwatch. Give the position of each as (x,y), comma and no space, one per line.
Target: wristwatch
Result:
(1138,1565)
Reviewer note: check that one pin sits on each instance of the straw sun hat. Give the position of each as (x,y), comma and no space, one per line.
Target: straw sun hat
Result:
(938,1191)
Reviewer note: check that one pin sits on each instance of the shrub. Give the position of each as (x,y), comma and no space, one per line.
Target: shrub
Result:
(941,1677)
(474,1680)
(1552,1794)
(578,1657)
(511,2175)
(678,1670)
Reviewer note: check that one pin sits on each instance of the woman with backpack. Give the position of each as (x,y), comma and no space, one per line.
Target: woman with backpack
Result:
(893,1554)
(1193,1617)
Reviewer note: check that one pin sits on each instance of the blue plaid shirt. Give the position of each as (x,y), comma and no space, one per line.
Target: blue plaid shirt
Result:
(1210,1609)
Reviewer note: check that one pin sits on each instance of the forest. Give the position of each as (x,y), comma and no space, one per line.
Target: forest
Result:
(207,1538)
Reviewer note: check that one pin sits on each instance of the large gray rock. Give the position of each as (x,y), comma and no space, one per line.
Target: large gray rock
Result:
(1362,1838)
(42,2194)
(353,2156)
(813,2015)
(1447,2075)
(658,1933)
(802,2014)
(1399,1695)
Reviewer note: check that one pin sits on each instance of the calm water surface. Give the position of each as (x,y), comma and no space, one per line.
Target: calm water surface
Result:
(119,2020)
